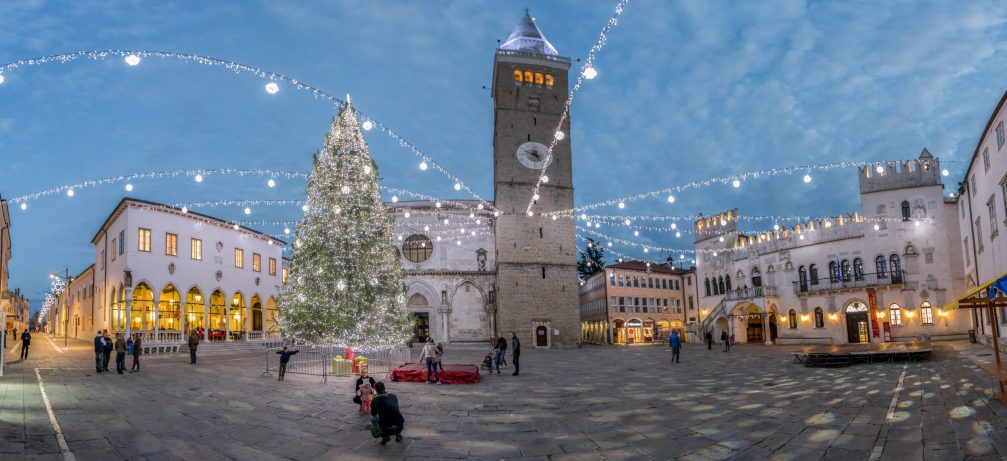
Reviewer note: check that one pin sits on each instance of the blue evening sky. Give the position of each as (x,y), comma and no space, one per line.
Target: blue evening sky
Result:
(686,90)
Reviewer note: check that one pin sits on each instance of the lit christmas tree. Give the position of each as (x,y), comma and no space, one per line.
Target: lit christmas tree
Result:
(345,283)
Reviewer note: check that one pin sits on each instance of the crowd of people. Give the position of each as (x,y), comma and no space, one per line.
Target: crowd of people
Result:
(104,345)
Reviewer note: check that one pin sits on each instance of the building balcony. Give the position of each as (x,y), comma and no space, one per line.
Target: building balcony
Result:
(848,282)
(741,294)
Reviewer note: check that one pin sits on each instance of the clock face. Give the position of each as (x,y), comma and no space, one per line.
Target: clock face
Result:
(532,155)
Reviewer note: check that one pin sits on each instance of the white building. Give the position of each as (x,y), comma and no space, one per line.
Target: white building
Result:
(448,256)
(162,272)
(885,273)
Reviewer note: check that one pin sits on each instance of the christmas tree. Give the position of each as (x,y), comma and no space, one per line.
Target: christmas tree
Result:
(345,283)
(591,260)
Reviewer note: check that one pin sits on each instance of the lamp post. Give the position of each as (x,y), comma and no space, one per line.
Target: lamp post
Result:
(66,302)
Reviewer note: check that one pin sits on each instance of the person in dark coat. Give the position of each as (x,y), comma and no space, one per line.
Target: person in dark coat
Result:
(501,350)
(137,352)
(284,358)
(676,346)
(726,340)
(25,343)
(120,354)
(99,352)
(516,352)
(109,345)
(193,344)
(709,340)
(386,415)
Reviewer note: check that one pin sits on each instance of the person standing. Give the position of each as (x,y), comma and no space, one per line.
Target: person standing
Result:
(726,340)
(120,354)
(676,346)
(365,390)
(193,344)
(99,352)
(386,415)
(440,354)
(709,341)
(428,355)
(501,350)
(109,345)
(25,343)
(516,352)
(137,352)
(284,358)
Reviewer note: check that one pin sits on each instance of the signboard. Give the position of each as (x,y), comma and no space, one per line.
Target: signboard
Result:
(648,324)
(888,332)
(872,300)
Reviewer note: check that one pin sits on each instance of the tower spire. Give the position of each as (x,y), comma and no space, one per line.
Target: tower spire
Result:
(527,37)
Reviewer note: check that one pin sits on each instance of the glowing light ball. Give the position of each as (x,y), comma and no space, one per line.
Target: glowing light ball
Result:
(678,234)
(1,79)
(424,166)
(272,88)
(132,60)
(286,231)
(944,172)
(636,233)
(535,197)
(807,178)
(368,125)
(776,227)
(622,205)
(185,210)
(736,183)
(129,187)
(545,178)
(395,199)
(671,199)
(560,135)
(458,186)
(880,169)
(531,213)
(271,183)
(590,73)
(248,211)
(199,178)
(304,208)
(24,206)
(69,192)
(235,227)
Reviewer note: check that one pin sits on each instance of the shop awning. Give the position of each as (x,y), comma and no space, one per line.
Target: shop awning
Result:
(977,298)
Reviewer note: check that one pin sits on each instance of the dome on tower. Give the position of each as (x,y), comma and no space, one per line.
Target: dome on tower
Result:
(526,36)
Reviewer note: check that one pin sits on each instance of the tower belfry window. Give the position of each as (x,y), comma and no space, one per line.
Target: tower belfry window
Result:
(543,271)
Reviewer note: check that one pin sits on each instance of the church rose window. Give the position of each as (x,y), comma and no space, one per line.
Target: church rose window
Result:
(417,248)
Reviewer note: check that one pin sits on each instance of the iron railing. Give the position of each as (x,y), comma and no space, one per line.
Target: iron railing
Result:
(738,294)
(849,282)
(318,360)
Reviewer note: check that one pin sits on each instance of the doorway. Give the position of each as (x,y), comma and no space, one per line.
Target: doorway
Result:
(541,336)
(772,327)
(421,327)
(753,329)
(856,327)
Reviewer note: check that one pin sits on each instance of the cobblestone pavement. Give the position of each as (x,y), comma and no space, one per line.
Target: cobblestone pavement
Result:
(595,403)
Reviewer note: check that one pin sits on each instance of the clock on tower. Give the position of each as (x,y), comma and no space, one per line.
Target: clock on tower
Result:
(537,286)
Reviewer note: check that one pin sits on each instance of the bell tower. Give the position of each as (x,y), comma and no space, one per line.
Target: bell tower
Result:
(537,286)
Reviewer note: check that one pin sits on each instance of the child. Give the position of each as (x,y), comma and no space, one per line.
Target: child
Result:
(365,389)
(284,358)
(440,354)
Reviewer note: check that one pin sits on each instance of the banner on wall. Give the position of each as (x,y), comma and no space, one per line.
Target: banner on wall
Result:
(872,302)
(888,332)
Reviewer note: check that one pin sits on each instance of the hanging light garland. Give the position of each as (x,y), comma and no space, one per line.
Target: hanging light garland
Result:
(588,72)
(135,57)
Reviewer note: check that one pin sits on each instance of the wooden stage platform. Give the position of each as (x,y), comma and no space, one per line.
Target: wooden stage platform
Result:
(844,355)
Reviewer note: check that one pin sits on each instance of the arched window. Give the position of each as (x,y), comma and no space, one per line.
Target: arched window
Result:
(819,318)
(845,270)
(926,313)
(706,284)
(518,76)
(169,309)
(881,266)
(858,269)
(727,282)
(833,274)
(529,78)
(813,273)
(720,285)
(539,79)
(256,313)
(142,310)
(906,213)
(195,316)
(802,278)
(895,314)
(548,80)
(417,248)
(237,313)
(792,318)
(218,316)
(895,265)
(756,277)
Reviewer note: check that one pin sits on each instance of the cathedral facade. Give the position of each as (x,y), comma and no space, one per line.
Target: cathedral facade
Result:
(473,272)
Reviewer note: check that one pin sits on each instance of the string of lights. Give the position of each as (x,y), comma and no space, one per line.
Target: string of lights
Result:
(735,181)
(135,57)
(647,248)
(587,72)
(692,218)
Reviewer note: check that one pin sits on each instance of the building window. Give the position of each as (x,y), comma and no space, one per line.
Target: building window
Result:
(706,283)
(906,213)
(979,235)
(966,243)
(926,313)
(819,318)
(802,278)
(284,276)
(813,274)
(143,240)
(972,185)
(833,272)
(895,314)
(256,262)
(756,277)
(792,318)
(727,282)
(615,304)
(895,264)
(196,249)
(720,285)
(881,266)
(272,266)
(622,304)
(620,280)
(858,269)
(113,249)
(417,248)
(122,242)
(991,207)
(171,244)
(845,270)
(239,258)
(1000,134)
(611,278)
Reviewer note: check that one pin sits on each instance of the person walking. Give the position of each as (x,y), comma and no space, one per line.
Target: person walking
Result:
(501,350)
(193,344)
(109,346)
(364,390)
(99,352)
(120,354)
(137,352)
(284,358)
(726,340)
(386,415)
(25,344)
(515,352)
(675,341)
(428,355)
(440,354)
(709,341)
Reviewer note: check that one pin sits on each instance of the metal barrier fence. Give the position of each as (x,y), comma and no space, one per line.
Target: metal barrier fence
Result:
(322,361)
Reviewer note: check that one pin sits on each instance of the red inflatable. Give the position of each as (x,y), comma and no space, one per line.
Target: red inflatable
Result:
(452,374)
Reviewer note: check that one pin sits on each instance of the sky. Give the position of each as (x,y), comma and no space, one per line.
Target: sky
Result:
(686,90)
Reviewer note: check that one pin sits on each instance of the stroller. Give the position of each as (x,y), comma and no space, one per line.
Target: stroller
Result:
(488,362)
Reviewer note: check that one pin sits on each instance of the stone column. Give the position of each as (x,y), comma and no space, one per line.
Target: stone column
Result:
(445,313)
(227,322)
(157,316)
(248,320)
(129,311)
(206,318)
(181,322)
(765,326)
(608,328)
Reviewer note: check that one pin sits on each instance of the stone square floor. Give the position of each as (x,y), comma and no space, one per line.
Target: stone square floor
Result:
(593,403)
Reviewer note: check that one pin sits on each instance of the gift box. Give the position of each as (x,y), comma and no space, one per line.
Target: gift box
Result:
(357,361)
(340,366)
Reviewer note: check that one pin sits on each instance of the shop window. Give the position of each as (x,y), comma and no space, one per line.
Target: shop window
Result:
(792,319)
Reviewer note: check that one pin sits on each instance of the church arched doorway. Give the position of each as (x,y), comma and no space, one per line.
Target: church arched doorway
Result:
(857,319)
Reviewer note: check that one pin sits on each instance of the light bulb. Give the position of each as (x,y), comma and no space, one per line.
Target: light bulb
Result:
(437,204)
(472,215)
(423,166)
(235,227)
(438,238)
(714,253)
(553,217)
(458,242)
(583,216)
(272,88)
(646,250)
(678,234)
(248,211)
(622,205)
(545,178)
(801,237)
(627,222)
(368,125)
(458,186)
(400,237)
(944,172)
(776,227)
(132,59)
(271,183)
(736,183)
(590,73)
(610,244)
(636,233)
(185,210)
(407,214)
(199,178)
(286,231)
(426,228)
(674,226)
(345,189)
(304,208)
(597,225)
(534,197)
(24,206)
(129,187)
(395,199)
(560,135)
(807,178)
(69,192)
(671,199)
(880,169)
(721,239)
(367,169)
(531,213)
(479,207)
(877,227)
(445,221)
(917,224)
